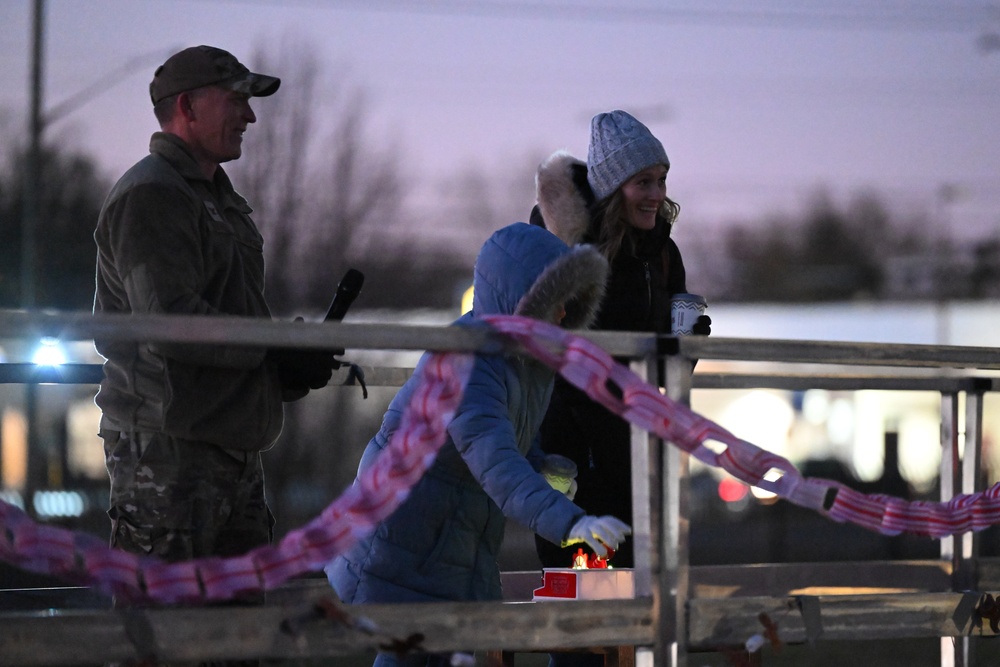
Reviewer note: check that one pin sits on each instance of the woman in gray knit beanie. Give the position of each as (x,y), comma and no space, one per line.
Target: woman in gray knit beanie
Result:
(627,171)
(617,201)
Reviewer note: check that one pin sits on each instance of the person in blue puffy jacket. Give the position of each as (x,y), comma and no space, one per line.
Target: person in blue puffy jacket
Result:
(443,540)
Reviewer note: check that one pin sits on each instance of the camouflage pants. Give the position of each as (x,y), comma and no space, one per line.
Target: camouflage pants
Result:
(177,500)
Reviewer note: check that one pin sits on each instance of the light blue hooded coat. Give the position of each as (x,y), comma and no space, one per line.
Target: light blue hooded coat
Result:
(442,542)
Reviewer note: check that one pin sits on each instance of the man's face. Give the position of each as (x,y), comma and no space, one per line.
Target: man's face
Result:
(220,117)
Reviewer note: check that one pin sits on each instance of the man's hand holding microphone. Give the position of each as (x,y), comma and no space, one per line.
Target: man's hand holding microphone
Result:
(299,370)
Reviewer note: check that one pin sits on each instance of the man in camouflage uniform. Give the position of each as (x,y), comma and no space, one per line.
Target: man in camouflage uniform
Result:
(184,425)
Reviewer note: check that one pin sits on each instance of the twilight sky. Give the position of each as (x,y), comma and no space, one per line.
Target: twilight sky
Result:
(757,108)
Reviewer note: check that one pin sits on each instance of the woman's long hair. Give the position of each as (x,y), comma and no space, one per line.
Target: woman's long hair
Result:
(612,226)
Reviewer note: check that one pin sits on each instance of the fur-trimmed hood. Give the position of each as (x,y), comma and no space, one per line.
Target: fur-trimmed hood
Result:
(564,197)
(525,270)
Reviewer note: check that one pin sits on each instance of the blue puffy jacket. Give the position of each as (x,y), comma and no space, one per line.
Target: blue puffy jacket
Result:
(442,542)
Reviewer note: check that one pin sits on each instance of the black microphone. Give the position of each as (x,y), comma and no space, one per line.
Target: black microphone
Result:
(347,292)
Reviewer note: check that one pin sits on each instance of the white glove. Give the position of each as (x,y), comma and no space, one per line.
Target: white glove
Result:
(599,532)
(560,472)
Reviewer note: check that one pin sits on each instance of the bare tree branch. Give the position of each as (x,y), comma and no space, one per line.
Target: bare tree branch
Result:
(321,203)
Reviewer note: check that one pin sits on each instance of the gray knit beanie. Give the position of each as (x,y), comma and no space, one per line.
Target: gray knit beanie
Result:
(620,146)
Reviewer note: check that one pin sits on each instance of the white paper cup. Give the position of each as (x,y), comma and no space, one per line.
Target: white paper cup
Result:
(685,309)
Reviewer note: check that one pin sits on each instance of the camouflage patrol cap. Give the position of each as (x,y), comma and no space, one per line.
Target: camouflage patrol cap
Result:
(199,66)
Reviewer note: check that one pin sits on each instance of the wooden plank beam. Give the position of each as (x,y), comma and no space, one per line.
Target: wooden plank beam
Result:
(714,623)
(303,631)
(89,637)
(296,625)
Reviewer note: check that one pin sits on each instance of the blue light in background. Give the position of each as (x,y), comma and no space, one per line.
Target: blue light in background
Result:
(49,352)
(48,504)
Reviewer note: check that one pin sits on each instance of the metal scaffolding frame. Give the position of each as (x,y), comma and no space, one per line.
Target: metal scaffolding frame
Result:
(670,616)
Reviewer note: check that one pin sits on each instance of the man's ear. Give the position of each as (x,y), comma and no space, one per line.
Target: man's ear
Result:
(185,106)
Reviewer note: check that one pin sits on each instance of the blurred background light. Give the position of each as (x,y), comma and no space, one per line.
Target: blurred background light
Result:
(49,352)
(55,504)
(12,498)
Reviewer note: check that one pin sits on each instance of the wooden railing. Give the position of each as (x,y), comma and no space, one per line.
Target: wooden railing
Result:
(678,608)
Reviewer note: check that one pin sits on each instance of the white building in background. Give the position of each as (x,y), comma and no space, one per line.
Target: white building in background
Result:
(967,323)
(851,426)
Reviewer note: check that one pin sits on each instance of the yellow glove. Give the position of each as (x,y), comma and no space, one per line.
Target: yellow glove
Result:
(560,472)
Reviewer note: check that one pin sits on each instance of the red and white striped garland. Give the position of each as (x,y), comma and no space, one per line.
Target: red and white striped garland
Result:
(589,368)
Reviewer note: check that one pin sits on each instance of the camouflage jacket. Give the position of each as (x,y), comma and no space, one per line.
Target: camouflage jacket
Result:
(170,241)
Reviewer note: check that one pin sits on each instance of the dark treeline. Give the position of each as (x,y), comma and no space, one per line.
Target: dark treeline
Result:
(829,251)
(347,212)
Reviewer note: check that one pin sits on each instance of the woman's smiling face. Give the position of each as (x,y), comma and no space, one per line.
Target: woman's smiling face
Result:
(643,194)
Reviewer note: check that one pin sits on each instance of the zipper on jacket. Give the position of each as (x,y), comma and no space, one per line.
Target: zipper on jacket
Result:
(649,290)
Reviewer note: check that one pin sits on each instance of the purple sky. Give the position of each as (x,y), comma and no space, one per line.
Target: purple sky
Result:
(757,108)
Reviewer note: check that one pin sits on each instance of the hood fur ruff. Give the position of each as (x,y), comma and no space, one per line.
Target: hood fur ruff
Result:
(575,279)
(559,199)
